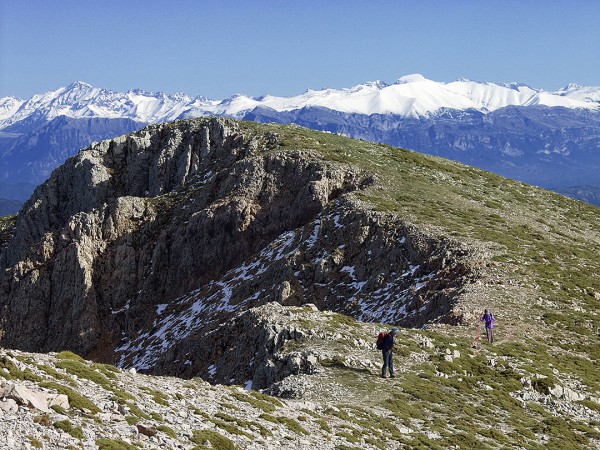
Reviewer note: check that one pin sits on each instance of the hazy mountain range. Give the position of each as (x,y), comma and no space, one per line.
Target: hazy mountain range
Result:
(551,139)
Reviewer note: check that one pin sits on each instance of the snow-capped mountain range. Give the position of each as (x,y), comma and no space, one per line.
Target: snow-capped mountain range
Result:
(411,96)
(550,139)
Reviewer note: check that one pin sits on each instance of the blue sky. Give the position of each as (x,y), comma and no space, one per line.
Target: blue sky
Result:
(219,48)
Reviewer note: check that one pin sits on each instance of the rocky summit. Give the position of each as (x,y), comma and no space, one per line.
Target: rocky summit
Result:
(256,264)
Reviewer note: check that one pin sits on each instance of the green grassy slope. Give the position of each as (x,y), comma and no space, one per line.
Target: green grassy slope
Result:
(545,252)
(547,243)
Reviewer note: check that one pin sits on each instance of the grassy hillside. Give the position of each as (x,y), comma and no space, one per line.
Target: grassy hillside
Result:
(536,387)
(548,244)
(544,253)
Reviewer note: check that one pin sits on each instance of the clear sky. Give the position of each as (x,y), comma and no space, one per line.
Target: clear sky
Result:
(222,47)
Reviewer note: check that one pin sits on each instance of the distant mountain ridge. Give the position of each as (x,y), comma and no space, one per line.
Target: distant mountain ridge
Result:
(590,194)
(410,96)
(550,139)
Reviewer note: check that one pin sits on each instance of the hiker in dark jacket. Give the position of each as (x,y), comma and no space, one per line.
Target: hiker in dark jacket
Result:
(488,318)
(387,352)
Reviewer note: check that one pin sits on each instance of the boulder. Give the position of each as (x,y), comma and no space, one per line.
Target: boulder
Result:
(27,397)
(58,400)
(572,395)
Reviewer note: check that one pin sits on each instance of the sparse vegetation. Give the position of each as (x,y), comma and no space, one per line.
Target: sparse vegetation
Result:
(59,409)
(158,397)
(76,400)
(167,430)
(82,370)
(260,401)
(35,443)
(43,419)
(114,444)
(69,355)
(239,425)
(67,427)
(7,225)
(212,439)
(292,424)
(9,371)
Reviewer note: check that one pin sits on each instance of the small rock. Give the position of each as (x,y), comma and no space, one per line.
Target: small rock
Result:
(572,395)
(58,400)
(105,417)
(9,405)
(557,391)
(132,371)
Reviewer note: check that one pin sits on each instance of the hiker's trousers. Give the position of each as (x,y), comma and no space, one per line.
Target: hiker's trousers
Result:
(489,333)
(388,361)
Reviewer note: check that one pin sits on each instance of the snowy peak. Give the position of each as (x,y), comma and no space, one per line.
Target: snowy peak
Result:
(410,96)
(79,86)
(581,93)
(9,106)
(82,100)
(413,78)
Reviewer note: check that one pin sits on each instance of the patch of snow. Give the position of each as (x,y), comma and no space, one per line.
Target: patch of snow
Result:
(336,221)
(123,309)
(349,270)
(312,240)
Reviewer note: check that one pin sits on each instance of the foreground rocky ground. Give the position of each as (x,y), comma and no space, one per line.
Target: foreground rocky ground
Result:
(446,394)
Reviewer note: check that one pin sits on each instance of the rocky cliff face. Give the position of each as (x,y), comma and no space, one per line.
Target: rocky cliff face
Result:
(138,247)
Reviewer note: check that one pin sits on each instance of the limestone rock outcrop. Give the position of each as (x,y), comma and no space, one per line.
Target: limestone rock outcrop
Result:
(141,246)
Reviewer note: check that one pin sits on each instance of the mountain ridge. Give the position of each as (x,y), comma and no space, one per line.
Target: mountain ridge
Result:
(221,249)
(550,146)
(410,96)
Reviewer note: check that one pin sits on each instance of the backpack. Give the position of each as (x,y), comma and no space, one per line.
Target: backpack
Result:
(380,339)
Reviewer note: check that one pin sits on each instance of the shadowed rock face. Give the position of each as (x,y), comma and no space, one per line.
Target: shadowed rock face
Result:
(137,247)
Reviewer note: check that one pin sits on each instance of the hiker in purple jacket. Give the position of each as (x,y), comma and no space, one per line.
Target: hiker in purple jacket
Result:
(488,318)
(387,352)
